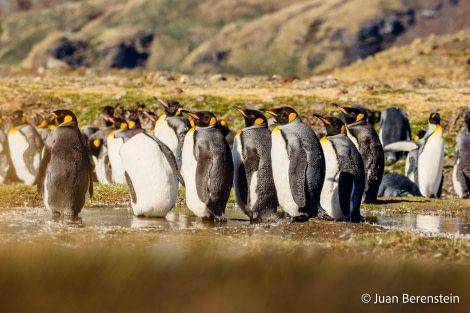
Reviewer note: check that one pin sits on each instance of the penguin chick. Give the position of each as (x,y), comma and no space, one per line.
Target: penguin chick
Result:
(207,168)
(461,171)
(298,164)
(344,184)
(253,179)
(364,136)
(65,173)
(396,185)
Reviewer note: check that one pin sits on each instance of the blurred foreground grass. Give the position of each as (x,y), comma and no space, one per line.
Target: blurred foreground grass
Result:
(200,279)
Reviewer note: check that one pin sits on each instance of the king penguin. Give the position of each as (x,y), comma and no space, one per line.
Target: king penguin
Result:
(207,168)
(431,159)
(25,145)
(171,127)
(65,173)
(151,174)
(461,171)
(253,178)
(364,136)
(394,126)
(344,184)
(298,164)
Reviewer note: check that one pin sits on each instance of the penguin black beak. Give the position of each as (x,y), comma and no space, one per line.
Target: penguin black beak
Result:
(161,101)
(321,118)
(193,115)
(269,112)
(239,110)
(53,116)
(149,116)
(340,108)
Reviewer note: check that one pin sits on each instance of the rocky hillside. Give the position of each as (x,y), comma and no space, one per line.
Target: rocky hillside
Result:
(291,37)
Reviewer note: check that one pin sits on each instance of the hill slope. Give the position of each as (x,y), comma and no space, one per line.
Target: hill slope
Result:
(291,37)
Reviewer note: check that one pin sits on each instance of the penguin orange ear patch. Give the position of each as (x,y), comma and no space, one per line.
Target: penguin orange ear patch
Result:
(43,124)
(212,121)
(359,117)
(68,119)
(258,121)
(292,116)
(131,124)
(343,129)
(123,126)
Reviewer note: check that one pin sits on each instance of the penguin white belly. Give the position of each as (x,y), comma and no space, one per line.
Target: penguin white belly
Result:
(329,198)
(154,183)
(18,145)
(188,171)
(280,161)
(100,166)
(459,189)
(117,168)
(237,157)
(167,135)
(430,163)
(253,195)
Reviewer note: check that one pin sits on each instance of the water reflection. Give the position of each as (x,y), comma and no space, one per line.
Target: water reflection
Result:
(421,222)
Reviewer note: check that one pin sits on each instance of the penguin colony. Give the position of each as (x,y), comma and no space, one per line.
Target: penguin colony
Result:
(281,165)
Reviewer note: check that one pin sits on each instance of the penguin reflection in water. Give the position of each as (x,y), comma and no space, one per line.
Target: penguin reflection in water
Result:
(207,168)
(65,172)
(298,165)
(344,184)
(253,179)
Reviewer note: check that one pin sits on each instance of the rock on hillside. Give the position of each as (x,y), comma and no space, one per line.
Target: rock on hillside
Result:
(292,37)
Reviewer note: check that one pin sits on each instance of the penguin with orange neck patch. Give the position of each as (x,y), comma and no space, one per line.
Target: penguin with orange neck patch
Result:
(65,173)
(431,159)
(207,168)
(364,136)
(344,184)
(253,178)
(298,164)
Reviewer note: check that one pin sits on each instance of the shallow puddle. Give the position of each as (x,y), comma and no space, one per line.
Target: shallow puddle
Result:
(429,224)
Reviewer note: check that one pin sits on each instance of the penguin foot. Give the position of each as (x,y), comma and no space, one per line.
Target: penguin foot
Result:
(323,215)
(303,217)
(355,219)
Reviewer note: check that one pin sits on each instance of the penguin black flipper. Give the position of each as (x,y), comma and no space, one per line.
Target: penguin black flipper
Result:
(345,186)
(297,170)
(35,145)
(203,168)
(170,157)
(45,158)
(242,184)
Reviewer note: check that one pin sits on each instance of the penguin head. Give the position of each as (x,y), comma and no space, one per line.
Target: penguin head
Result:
(252,117)
(133,121)
(120,123)
(17,118)
(434,118)
(203,118)
(333,125)
(107,116)
(63,116)
(351,115)
(171,107)
(467,120)
(151,116)
(222,125)
(283,115)
(420,134)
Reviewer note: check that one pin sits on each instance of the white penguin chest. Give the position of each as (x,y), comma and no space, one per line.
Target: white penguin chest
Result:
(167,135)
(280,160)
(188,171)
(430,163)
(329,198)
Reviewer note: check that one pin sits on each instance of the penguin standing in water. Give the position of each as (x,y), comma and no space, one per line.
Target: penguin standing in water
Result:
(344,184)
(151,174)
(364,136)
(394,126)
(171,127)
(253,178)
(65,174)
(25,145)
(461,171)
(298,165)
(207,168)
